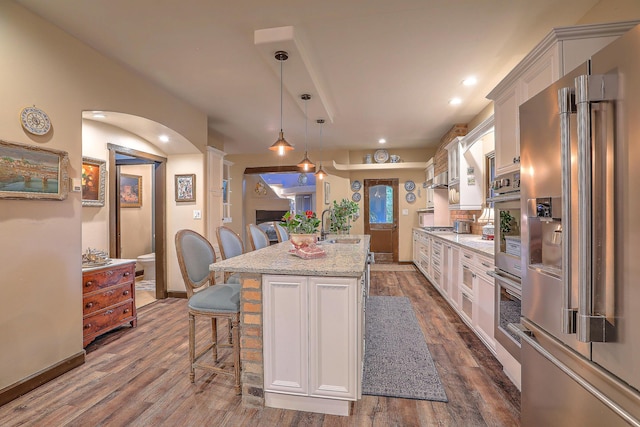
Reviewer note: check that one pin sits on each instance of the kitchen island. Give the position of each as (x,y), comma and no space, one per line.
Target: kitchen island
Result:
(302,325)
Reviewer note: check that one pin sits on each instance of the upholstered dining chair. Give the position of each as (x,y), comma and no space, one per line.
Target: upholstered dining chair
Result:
(209,300)
(281,232)
(258,239)
(230,245)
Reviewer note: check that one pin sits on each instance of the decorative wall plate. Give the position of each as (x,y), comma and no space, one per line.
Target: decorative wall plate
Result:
(381,156)
(409,185)
(35,121)
(356,185)
(356,197)
(411,197)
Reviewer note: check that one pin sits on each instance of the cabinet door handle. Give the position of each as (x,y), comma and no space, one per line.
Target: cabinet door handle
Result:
(484,264)
(467,256)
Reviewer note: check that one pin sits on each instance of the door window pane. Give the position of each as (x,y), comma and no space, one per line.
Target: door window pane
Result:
(381,204)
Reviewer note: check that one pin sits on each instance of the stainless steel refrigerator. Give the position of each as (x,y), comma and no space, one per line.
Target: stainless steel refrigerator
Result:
(580,208)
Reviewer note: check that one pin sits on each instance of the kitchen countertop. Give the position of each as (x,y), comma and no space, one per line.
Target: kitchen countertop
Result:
(342,260)
(473,242)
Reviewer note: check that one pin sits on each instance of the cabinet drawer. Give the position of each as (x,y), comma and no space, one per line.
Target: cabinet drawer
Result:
(107,319)
(106,297)
(95,280)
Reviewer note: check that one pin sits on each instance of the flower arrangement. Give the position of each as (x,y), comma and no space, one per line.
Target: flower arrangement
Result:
(306,223)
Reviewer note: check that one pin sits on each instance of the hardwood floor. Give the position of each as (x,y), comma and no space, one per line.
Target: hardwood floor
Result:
(139,377)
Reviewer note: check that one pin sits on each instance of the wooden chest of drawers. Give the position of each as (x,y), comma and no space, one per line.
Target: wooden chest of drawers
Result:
(108,298)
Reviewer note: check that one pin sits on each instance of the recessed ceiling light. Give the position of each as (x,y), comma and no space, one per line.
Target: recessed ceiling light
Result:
(470,81)
(382,140)
(455,101)
(164,138)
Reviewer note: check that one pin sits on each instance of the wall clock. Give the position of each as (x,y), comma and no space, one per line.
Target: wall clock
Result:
(35,121)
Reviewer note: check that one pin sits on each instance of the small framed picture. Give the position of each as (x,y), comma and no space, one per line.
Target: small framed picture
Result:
(94,174)
(186,188)
(327,192)
(130,191)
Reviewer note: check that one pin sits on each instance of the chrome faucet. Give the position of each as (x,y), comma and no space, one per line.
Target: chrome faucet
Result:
(323,233)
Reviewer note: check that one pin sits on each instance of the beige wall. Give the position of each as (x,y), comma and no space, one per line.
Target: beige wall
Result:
(611,11)
(41,309)
(136,231)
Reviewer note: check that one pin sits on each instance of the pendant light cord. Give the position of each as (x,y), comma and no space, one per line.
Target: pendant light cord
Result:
(281,60)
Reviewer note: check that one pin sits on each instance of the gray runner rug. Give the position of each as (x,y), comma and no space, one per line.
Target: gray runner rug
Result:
(397,362)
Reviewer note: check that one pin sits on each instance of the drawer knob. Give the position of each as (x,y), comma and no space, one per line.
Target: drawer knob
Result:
(125,293)
(87,326)
(89,283)
(89,305)
(126,310)
(126,274)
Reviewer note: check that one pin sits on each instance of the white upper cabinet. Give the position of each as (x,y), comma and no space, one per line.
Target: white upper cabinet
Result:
(466,167)
(560,52)
(429,174)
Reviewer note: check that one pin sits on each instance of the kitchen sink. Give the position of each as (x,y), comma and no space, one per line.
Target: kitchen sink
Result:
(344,240)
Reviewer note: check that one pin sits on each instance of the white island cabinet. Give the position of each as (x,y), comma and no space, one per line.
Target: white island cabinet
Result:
(302,325)
(312,341)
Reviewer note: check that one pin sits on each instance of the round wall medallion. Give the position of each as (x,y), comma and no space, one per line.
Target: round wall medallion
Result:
(356,185)
(411,197)
(409,185)
(356,197)
(35,121)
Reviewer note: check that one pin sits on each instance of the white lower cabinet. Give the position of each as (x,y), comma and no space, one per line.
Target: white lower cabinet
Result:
(460,275)
(313,342)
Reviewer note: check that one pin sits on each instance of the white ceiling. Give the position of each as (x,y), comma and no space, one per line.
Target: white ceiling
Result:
(382,68)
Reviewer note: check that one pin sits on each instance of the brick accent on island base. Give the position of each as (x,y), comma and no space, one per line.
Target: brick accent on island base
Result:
(251,359)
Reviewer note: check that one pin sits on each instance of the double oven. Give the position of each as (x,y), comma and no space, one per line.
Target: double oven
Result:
(507,273)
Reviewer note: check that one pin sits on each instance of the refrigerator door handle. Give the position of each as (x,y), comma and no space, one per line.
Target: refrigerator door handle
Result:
(591,326)
(567,106)
(528,337)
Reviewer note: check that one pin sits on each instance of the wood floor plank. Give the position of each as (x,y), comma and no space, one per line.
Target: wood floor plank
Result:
(140,377)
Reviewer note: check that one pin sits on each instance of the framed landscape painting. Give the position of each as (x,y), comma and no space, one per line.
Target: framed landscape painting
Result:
(186,188)
(130,191)
(30,172)
(94,174)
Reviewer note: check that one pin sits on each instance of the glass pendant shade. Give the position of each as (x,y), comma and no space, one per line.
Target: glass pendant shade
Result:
(306,164)
(321,173)
(281,145)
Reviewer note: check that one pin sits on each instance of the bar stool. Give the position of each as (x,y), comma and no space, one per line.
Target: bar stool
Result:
(206,299)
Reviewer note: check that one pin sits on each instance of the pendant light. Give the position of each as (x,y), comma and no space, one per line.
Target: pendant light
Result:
(305,164)
(281,145)
(320,173)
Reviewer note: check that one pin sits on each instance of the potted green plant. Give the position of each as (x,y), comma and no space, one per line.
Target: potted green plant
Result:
(342,213)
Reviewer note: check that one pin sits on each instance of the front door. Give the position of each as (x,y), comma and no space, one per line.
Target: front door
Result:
(381,218)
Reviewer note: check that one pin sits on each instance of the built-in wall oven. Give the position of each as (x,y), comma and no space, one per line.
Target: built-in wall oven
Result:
(507,274)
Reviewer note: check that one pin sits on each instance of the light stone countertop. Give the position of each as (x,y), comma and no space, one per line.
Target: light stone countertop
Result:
(472,242)
(342,260)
